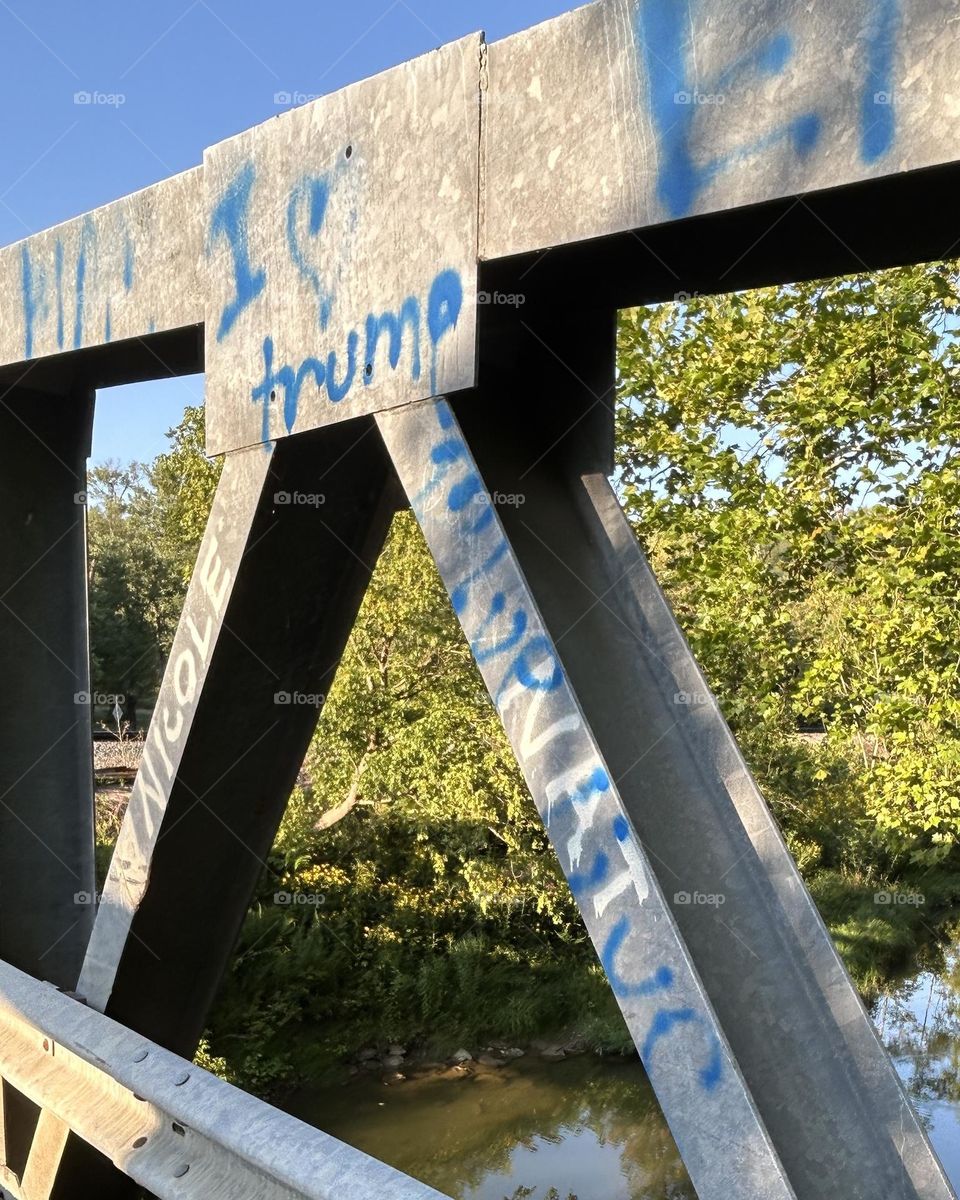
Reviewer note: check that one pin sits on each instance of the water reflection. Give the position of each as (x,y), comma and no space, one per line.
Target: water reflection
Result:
(591,1128)
(582,1126)
(919,1023)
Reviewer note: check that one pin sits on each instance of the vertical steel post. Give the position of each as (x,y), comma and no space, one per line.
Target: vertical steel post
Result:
(46,771)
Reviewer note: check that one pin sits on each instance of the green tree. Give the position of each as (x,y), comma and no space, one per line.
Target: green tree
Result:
(183,480)
(134,593)
(790,459)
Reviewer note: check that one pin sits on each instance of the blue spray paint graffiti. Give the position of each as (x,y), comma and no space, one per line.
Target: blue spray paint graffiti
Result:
(287,381)
(393,325)
(401,330)
(443,312)
(85,281)
(310,196)
(229,221)
(664,43)
(31,292)
(877,113)
(663,33)
(523,673)
(664,1023)
(88,237)
(58,274)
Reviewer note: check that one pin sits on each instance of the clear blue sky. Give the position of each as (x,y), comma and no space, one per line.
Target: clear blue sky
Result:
(191,72)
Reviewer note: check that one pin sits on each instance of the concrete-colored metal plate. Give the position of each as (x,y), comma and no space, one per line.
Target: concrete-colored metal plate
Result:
(124,270)
(628,113)
(341,242)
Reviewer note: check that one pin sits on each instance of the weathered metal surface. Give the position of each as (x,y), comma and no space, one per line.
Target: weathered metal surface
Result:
(628,113)
(663,1001)
(46,771)
(342,252)
(824,1087)
(172,1127)
(289,548)
(125,270)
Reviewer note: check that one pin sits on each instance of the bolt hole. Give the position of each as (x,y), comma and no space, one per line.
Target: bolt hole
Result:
(181,1171)
(141,1141)
(141,1055)
(178,1128)
(368,369)
(348,153)
(181,1079)
(273,394)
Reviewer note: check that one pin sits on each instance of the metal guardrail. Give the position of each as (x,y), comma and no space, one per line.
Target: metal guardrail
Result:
(176,1129)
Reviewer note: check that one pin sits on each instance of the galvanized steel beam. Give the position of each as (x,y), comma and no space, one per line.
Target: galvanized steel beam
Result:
(626,114)
(292,539)
(762,1057)
(170,1126)
(127,270)
(46,767)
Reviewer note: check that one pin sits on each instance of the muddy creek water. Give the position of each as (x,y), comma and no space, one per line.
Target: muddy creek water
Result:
(590,1127)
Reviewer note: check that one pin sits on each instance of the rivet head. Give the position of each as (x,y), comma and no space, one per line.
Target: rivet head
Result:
(180,1171)
(141,1055)
(181,1079)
